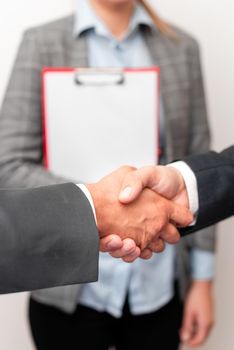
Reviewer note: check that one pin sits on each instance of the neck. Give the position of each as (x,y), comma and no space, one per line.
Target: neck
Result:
(116,16)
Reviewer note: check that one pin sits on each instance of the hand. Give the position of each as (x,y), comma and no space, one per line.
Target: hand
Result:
(165,180)
(142,220)
(198,316)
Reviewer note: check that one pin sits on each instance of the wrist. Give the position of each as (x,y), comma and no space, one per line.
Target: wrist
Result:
(179,178)
(100,206)
(190,184)
(93,190)
(202,284)
(87,193)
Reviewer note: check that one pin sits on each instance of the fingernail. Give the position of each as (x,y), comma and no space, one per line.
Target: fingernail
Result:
(127,247)
(111,244)
(126,192)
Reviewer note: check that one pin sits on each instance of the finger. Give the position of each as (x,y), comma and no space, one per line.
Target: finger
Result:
(199,336)
(157,245)
(187,329)
(146,254)
(133,256)
(110,243)
(170,234)
(180,215)
(129,247)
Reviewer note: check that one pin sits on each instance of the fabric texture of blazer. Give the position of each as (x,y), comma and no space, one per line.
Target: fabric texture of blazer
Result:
(48,238)
(186,124)
(215,179)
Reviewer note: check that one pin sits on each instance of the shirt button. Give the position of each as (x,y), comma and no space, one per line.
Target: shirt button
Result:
(119,47)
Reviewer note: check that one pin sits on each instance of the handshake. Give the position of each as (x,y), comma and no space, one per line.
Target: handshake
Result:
(138,210)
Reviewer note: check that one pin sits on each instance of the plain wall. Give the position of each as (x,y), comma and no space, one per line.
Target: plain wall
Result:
(211,22)
(15,17)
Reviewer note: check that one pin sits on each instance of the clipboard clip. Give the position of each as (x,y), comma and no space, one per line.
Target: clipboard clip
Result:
(99,76)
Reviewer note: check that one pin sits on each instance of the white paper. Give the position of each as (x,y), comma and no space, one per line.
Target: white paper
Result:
(92,130)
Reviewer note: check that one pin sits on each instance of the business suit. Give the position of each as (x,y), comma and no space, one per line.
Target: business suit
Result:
(48,237)
(21,137)
(215,180)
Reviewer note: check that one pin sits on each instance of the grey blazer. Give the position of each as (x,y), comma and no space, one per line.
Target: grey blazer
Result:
(215,179)
(53,44)
(48,238)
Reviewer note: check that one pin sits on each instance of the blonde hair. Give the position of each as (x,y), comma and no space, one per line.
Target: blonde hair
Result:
(161,25)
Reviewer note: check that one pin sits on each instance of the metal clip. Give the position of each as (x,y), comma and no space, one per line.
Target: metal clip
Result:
(99,76)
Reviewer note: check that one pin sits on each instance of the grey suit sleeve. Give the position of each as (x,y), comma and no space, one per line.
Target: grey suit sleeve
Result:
(48,238)
(21,120)
(215,178)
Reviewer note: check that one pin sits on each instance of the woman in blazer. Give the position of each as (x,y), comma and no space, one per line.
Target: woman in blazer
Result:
(143,302)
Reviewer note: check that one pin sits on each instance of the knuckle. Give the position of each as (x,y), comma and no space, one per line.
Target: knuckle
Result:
(127,168)
(158,226)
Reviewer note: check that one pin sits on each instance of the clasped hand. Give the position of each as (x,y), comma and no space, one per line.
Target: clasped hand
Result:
(138,210)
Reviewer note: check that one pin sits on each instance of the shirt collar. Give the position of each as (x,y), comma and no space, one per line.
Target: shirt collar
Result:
(86,19)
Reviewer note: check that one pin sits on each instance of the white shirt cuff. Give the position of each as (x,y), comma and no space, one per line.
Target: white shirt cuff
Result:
(190,183)
(85,190)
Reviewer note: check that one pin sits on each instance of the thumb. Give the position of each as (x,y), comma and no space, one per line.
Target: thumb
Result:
(135,181)
(131,188)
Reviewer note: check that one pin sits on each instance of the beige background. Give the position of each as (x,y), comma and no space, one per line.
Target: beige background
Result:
(211,21)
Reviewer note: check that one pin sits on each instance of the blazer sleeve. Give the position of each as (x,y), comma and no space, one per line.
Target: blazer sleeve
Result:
(48,238)
(215,179)
(21,143)
(199,138)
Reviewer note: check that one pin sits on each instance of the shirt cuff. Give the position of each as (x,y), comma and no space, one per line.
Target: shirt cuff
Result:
(86,192)
(190,183)
(202,264)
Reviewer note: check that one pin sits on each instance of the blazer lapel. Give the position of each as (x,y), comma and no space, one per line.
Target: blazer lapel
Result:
(74,50)
(167,56)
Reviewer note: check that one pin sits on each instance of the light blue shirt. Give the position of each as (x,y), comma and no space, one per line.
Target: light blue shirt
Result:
(149,284)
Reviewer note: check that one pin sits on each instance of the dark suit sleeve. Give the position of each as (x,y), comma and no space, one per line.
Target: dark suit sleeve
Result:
(48,237)
(215,179)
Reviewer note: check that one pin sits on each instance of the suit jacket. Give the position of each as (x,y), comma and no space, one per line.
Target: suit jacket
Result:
(186,126)
(48,237)
(215,180)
